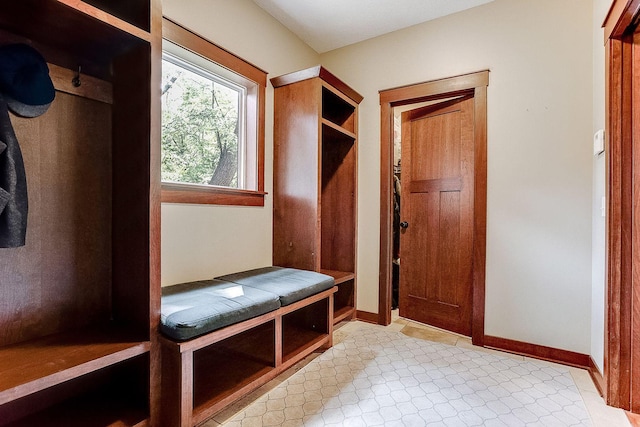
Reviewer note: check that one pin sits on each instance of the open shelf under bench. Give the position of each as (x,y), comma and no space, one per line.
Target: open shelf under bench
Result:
(344,304)
(224,369)
(207,373)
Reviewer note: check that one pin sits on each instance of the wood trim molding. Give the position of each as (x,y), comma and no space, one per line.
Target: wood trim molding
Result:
(480,213)
(634,419)
(324,74)
(536,351)
(91,87)
(155,191)
(622,351)
(620,16)
(434,89)
(184,37)
(386,214)
(596,376)
(366,316)
(107,18)
(474,84)
(185,193)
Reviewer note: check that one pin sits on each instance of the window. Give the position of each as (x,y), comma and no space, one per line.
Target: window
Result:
(212,123)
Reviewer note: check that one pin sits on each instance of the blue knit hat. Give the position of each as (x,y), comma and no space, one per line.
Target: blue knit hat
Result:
(24,80)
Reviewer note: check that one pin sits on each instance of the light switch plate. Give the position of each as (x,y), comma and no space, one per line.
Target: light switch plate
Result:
(598,142)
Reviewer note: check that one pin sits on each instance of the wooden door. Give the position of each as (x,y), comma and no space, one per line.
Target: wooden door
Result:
(436,246)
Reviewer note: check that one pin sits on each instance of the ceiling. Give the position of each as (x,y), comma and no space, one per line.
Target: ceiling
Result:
(330,24)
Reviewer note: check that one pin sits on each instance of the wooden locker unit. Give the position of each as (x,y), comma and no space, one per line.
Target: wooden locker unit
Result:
(315,179)
(79,303)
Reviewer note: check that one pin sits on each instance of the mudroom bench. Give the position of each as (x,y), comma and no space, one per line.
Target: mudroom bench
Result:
(223,338)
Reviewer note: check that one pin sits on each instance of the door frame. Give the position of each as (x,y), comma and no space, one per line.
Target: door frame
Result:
(476,85)
(622,286)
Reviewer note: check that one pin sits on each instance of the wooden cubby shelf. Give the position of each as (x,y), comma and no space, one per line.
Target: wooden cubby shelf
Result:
(343,313)
(224,369)
(108,397)
(81,299)
(339,109)
(315,176)
(204,375)
(131,16)
(72,33)
(339,129)
(301,341)
(34,365)
(339,276)
(304,330)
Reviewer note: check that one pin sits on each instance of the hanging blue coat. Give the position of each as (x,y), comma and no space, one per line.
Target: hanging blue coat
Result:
(14,203)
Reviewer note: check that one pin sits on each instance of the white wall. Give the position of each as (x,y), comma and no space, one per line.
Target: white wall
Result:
(538,285)
(540,199)
(600,9)
(200,242)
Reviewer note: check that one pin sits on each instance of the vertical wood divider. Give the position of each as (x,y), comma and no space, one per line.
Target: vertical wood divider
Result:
(278,340)
(186,392)
(329,343)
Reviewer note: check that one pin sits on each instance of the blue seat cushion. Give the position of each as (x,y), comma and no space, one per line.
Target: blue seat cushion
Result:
(192,309)
(290,284)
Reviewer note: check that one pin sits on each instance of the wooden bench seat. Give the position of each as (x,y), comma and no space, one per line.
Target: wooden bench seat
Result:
(203,374)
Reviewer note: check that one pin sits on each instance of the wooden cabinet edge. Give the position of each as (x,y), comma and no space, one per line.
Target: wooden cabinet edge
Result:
(313,72)
(107,18)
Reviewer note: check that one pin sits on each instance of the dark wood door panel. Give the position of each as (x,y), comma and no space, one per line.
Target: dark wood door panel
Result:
(436,249)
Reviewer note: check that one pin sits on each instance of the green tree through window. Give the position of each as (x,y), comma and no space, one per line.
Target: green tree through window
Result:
(201,127)
(213,106)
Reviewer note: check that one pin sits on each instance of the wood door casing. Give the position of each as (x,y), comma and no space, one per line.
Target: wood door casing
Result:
(436,250)
(473,83)
(622,310)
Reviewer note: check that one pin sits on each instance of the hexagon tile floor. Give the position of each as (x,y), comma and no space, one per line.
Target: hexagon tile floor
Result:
(381,377)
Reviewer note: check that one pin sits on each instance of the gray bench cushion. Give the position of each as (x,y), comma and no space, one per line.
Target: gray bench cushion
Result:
(289,284)
(196,308)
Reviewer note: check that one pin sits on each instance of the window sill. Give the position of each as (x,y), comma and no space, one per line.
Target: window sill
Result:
(206,195)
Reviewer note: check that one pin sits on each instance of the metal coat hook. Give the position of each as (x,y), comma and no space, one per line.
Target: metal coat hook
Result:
(76,80)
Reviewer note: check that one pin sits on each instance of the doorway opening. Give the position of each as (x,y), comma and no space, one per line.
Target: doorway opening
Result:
(400,224)
(410,97)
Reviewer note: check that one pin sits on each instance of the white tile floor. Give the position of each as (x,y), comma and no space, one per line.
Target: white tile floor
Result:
(408,374)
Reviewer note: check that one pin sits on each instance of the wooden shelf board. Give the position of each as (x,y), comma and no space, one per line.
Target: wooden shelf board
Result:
(238,369)
(338,128)
(92,409)
(342,313)
(78,33)
(339,276)
(35,365)
(206,410)
(304,352)
(105,17)
(224,378)
(224,368)
(297,340)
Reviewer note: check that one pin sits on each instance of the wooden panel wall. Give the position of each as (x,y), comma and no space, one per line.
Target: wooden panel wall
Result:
(131,227)
(61,278)
(338,203)
(296,176)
